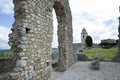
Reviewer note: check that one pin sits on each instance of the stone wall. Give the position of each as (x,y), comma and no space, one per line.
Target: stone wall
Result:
(77,49)
(6,65)
(117,57)
(31,38)
(65,38)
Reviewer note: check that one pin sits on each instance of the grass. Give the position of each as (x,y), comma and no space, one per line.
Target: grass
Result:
(107,54)
(6,54)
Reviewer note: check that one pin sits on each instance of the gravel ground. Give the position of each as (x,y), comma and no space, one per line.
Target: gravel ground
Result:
(82,71)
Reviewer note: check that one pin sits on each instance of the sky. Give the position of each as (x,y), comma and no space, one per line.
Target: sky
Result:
(98,17)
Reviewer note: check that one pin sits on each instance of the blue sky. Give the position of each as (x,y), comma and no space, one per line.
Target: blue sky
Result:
(6,19)
(99,17)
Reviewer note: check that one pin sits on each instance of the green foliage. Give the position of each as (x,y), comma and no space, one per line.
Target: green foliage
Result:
(107,54)
(6,54)
(88,41)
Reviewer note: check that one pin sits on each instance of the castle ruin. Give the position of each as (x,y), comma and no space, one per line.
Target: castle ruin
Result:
(31,38)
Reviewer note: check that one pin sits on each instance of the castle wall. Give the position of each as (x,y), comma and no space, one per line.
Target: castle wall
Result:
(65,38)
(31,38)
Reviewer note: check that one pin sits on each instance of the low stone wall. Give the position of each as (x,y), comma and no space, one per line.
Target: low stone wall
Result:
(55,55)
(6,65)
(5,76)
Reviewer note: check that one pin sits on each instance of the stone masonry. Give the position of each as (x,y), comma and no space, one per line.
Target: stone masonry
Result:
(117,57)
(31,38)
(65,38)
(8,64)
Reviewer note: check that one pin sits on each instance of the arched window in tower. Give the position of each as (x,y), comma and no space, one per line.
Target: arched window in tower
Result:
(83,36)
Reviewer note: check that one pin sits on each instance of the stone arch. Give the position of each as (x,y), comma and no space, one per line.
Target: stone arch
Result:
(64,32)
(31,38)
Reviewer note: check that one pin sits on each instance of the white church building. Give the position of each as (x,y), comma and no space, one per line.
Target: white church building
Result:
(84,34)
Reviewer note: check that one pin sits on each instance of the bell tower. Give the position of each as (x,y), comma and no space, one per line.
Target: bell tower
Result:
(84,34)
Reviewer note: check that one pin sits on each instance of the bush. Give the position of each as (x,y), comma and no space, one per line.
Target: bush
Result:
(89,41)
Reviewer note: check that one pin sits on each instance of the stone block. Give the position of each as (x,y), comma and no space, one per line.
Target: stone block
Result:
(24,38)
(18,69)
(82,57)
(14,76)
(95,65)
(21,63)
(116,58)
(21,54)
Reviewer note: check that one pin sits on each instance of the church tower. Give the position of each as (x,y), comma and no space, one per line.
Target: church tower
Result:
(84,34)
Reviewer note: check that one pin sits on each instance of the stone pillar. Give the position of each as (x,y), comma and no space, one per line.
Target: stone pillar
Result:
(31,39)
(117,57)
(119,34)
(65,38)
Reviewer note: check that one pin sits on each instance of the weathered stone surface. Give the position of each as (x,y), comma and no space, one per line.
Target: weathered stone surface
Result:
(98,58)
(5,76)
(21,63)
(21,54)
(65,38)
(82,57)
(117,57)
(95,64)
(6,65)
(31,38)
(14,76)
(18,69)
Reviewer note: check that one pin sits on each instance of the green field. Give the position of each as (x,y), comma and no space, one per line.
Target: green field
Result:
(5,54)
(107,54)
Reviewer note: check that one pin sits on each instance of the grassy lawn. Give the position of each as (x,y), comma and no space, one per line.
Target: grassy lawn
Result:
(107,54)
(5,54)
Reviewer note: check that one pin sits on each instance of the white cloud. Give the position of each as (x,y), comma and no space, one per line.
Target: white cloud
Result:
(6,6)
(4,31)
(92,14)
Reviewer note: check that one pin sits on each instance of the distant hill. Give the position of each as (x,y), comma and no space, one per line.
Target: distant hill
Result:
(54,48)
(5,50)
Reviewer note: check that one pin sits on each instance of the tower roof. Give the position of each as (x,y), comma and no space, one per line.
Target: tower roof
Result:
(84,31)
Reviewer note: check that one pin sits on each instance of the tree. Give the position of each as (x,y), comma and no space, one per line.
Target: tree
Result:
(89,41)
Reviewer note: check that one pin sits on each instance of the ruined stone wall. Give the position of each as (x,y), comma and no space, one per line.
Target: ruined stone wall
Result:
(31,38)
(119,36)
(117,56)
(6,65)
(65,38)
